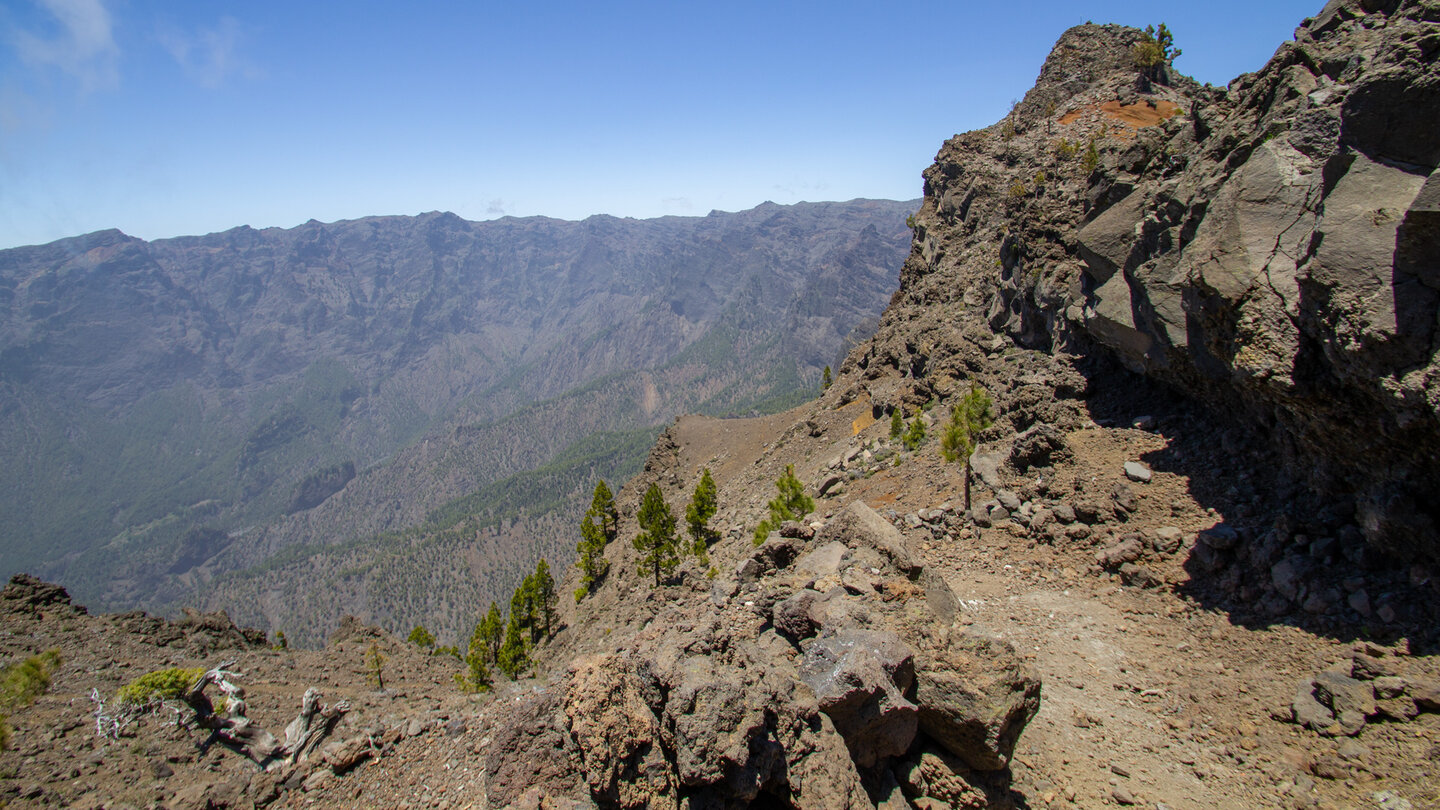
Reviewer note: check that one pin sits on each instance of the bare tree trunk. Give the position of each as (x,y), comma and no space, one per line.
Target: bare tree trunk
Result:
(314,722)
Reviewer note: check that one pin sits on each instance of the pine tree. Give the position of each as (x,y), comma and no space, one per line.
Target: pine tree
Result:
(491,630)
(591,555)
(477,676)
(522,607)
(915,436)
(825,379)
(514,656)
(1154,51)
(968,417)
(602,508)
(1091,160)
(897,424)
(791,504)
(543,597)
(656,540)
(697,516)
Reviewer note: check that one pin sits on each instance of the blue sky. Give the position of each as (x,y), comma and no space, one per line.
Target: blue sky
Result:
(165,118)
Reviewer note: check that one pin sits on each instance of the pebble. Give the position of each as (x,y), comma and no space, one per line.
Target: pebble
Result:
(1121,795)
(1389,800)
(1352,748)
(1137,471)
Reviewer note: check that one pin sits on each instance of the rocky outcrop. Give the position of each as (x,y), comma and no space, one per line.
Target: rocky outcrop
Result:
(29,594)
(813,676)
(1274,253)
(1266,248)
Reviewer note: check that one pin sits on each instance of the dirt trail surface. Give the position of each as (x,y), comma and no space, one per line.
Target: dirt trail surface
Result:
(1153,696)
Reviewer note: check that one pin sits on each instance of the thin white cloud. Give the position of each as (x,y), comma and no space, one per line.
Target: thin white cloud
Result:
(496,206)
(209,56)
(82,46)
(682,204)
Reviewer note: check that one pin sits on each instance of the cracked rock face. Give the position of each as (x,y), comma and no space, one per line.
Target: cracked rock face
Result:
(1270,248)
(1283,264)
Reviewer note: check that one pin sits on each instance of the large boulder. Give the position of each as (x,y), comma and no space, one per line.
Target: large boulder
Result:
(615,732)
(859,526)
(859,678)
(975,696)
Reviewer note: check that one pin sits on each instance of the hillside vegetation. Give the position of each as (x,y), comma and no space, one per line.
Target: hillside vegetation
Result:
(176,410)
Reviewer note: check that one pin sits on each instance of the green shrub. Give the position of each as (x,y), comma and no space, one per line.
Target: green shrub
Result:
(23,682)
(1091,161)
(162,684)
(421,638)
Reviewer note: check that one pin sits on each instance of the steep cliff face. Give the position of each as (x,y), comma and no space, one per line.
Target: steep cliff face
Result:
(1267,248)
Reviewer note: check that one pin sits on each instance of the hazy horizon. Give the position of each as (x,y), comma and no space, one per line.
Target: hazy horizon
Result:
(166,121)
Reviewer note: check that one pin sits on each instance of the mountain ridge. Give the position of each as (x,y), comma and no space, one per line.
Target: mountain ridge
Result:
(196,383)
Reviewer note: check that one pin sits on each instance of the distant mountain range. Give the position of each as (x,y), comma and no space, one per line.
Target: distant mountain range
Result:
(178,411)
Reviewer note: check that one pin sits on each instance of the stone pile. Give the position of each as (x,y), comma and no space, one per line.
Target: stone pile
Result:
(1376,684)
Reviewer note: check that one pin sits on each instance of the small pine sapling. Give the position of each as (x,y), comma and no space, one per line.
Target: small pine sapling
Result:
(968,417)
(790,504)
(897,424)
(602,506)
(591,555)
(491,630)
(476,677)
(375,666)
(1091,160)
(514,655)
(915,436)
(524,608)
(1154,51)
(697,516)
(543,596)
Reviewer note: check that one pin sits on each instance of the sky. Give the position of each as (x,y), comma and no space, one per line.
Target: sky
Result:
(165,119)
